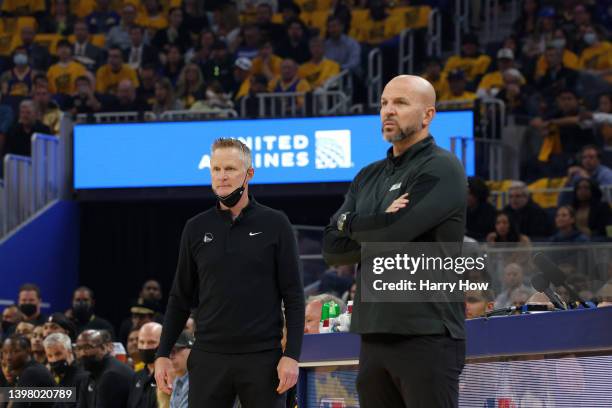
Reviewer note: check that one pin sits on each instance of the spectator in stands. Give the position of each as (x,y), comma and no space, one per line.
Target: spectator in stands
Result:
(341,48)
(164,97)
(220,66)
(592,215)
(142,311)
(337,280)
(527,21)
(480,217)
(294,44)
(109,380)
(152,291)
(289,81)
(175,34)
(190,85)
(84,99)
(58,323)
(58,350)
(21,364)
(478,303)
(134,359)
(528,216)
(200,54)
(11,317)
(84,51)
(18,136)
(249,46)
(226,25)
(38,55)
(113,72)
(29,301)
(38,351)
(506,231)
(242,75)
(60,20)
(557,77)
(568,58)
(318,70)
(139,54)
(18,80)
(433,73)
(194,18)
(102,19)
(152,17)
(268,29)
(595,57)
(256,84)
(48,110)
(513,93)
(492,83)
(143,390)
(457,93)
(179,355)
(16,8)
(119,35)
(25,329)
(126,99)
(565,221)
(520,297)
(590,167)
(534,44)
(7,378)
(83,306)
(146,90)
(512,281)
(601,120)
(473,63)
(313,311)
(174,64)
(266,63)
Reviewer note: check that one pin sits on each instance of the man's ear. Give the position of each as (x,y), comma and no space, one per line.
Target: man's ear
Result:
(250,173)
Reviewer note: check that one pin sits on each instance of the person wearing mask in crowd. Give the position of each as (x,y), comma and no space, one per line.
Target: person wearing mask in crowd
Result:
(528,216)
(473,63)
(512,281)
(84,51)
(59,323)
(190,85)
(139,54)
(179,355)
(318,70)
(294,43)
(18,136)
(24,329)
(266,63)
(458,96)
(478,303)
(119,35)
(220,66)
(134,359)
(341,48)
(58,349)
(565,221)
(38,55)
(102,19)
(492,83)
(592,214)
(18,80)
(48,110)
(480,217)
(174,64)
(83,306)
(164,97)
(557,77)
(146,90)
(595,58)
(434,74)
(143,390)
(11,317)
(152,17)
(568,58)
(175,34)
(29,301)
(38,351)
(109,381)
(113,72)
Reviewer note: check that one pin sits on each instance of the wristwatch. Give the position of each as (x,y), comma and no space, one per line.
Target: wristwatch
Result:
(342,221)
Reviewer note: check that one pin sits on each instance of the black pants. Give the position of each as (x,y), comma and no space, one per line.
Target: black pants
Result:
(409,371)
(215,379)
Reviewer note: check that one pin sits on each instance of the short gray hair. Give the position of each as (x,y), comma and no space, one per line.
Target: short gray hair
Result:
(519,185)
(58,338)
(231,143)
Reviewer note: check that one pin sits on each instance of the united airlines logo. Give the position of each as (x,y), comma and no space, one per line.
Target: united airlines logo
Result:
(333,149)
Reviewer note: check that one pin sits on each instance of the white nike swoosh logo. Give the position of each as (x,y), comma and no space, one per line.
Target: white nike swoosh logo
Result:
(254,233)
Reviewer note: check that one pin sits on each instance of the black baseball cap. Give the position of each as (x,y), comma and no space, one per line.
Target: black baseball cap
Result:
(62,321)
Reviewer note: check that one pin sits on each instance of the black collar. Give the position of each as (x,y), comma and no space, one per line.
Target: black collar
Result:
(227,214)
(394,162)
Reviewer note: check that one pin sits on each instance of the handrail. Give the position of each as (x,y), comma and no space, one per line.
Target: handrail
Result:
(342,82)
(434,33)
(178,115)
(327,103)
(495,150)
(462,15)
(17,190)
(45,170)
(374,78)
(406,52)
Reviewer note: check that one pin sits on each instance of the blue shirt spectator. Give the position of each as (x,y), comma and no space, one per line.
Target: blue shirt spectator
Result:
(180,392)
(591,168)
(341,48)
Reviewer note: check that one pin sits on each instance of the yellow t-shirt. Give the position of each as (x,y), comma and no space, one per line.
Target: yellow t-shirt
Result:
(61,77)
(23,7)
(471,66)
(440,85)
(465,100)
(158,22)
(244,89)
(376,32)
(107,80)
(312,5)
(570,60)
(597,57)
(318,74)
(274,64)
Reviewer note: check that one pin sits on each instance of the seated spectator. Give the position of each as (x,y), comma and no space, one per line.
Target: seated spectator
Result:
(557,77)
(313,311)
(341,48)
(350,294)
(38,55)
(513,93)
(126,100)
(18,80)
(190,86)
(174,64)
(58,350)
(492,83)
(164,97)
(592,215)
(179,355)
(480,216)
(337,280)
(478,303)
(377,29)
(142,311)
(506,231)
(242,75)
(249,46)
(83,307)
(318,70)
(220,66)
(85,100)
(59,323)
(109,380)
(257,84)
(21,364)
(595,58)
(294,44)
(60,20)
(113,72)
(18,136)
(194,17)
(433,73)
(152,18)
(268,29)
(48,110)
(25,329)
(139,54)
(512,281)
(200,54)
(143,390)
(38,351)
(119,35)
(470,61)
(266,63)
(565,221)
(11,317)
(535,42)
(568,58)
(7,378)
(520,297)
(29,301)
(84,51)
(175,34)
(134,359)
(289,81)
(226,25)
(590,167)
(102,19)
(528,216)
(21,8)
(457,93)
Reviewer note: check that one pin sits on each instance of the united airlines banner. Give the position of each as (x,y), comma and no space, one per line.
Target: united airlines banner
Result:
(285,151)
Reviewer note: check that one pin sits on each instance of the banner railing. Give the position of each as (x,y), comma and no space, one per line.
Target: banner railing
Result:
(374,78)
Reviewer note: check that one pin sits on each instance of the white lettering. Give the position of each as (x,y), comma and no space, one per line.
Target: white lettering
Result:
(270,160)
(300,142)
(467,285)
(284,142)
(302,159)
(269,141)
(287,159)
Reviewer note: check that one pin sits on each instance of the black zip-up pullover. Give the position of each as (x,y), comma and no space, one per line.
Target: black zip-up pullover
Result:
(237,272)
(437,187)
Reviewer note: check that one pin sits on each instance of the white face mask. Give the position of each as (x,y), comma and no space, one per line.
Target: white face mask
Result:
(590,38)
(558,43)
(20,59)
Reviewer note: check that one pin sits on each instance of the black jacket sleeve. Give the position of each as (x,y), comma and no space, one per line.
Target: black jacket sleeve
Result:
(113,390)
(181,296)
(291,288)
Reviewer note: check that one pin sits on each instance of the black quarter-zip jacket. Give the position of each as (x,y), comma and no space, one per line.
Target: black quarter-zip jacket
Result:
(437,187)
(237,272)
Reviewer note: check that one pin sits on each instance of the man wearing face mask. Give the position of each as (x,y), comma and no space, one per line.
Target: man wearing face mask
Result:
(29,301)
(18,81)
(109,381)
(143,391)
(83,304)
(58,348)
(237,261)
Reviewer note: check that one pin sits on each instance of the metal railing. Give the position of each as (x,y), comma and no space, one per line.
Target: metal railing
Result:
(374,78)
(492,118)
(492,21)
(494,150)
(326,103)
(183,115)
(434,33)
(462,15)
(45,170)
(406,52)
(502,198)
(116,117)
(278,104)
(342,82)
(17,190)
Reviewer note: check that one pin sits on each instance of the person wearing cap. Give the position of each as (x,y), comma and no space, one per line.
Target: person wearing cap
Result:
(58,323)
(179,355)
(142,311)
(473,63)
(457,93)
(242,75)
(238,262)
(492,82)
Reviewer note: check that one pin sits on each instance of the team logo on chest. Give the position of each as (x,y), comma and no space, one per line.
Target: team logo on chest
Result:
(208,237)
